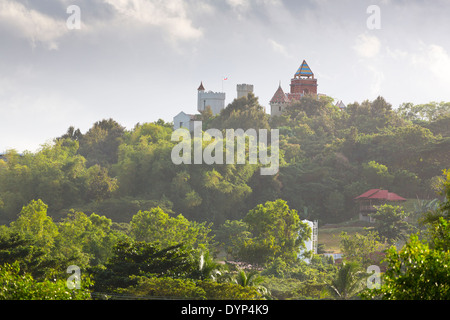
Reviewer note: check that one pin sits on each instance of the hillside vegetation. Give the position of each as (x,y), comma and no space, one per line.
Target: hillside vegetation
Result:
(112,202)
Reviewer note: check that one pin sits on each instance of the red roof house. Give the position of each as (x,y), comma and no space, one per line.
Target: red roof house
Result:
(369,200)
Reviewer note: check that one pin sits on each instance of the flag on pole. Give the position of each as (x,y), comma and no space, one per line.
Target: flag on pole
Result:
(224,79)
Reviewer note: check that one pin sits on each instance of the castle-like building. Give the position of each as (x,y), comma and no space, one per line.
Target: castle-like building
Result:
(302,84)
(215,100)
(205,99)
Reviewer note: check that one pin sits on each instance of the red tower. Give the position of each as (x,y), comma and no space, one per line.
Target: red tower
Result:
(303,83)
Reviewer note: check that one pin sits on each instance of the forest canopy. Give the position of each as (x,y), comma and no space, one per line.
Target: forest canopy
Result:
(328,157)
(112,203)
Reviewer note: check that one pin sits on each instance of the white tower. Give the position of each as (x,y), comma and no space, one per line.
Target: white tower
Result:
(311,244)
(215,100)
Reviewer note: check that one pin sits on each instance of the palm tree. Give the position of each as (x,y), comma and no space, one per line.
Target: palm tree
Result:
(427,211)
(250,279)
(348,281)
(208,268)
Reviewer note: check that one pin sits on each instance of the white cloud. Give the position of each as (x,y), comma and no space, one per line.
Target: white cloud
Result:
(438,61)
(31,24)
(238,3)
(431,65)
(170,15)
(367,46)
(377,80)
(396,54)
(279,48)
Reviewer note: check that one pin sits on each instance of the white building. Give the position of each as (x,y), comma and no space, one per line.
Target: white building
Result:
(215,100)
(311,244)
(184,120)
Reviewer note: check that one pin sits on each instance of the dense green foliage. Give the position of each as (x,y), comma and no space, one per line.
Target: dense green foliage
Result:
(112,202)
(328,156)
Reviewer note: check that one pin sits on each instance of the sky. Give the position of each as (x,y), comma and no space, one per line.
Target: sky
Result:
(139,61)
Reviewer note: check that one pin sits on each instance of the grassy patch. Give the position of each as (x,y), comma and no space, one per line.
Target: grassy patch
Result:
(329,234)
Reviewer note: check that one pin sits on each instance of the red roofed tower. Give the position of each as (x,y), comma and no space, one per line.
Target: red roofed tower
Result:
(278,102)
(302,84)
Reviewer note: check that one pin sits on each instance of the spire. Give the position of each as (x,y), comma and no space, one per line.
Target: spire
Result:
(201,88)
(304,71)
(279,96)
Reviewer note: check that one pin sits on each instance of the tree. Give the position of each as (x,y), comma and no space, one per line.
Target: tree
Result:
(56,174)
(34,222)
(360,248)
(166,287)
(18,248)
(347,283)
(194,289)
(370,116)
(71,134)
(208,268)
(232,235)
(89,240)
(417,272)
(99,185)
(157,226)
(425,112)
(243,113)
(100,145)
(17,285)
(131,259)
(276,232)
(377,175)
(420,270)
(390,223)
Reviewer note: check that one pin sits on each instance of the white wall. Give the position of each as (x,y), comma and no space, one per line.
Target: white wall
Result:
(181,117)
(216,100)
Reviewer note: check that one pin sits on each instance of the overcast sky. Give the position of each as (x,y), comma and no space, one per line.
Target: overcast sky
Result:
(141,60)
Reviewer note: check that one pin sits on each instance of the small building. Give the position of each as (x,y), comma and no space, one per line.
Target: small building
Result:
(341,105)
(214,100)
(278,102)
(184,120)
(369,200)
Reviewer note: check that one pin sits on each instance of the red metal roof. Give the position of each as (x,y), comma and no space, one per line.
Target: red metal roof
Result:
(395,197)
(367,193)
(201,88)
(380,194)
